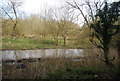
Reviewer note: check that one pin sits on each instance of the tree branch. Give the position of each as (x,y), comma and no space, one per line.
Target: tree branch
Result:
(7,14)
(94,43)
(77,7)
(100,59)
(116,31)
(91,11)
(112,59)
(98,38)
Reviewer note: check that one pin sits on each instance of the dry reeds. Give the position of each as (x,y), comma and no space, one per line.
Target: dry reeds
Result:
(37,70)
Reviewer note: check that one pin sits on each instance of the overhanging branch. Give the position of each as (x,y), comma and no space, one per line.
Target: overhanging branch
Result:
(77,7)
(7,14)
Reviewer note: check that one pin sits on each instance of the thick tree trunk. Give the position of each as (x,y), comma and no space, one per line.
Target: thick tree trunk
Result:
(118,73)
(106,41)
(118,49)
(106,56)
(106,52)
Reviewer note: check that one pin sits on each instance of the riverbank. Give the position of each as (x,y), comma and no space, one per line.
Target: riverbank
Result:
(37,43)
(60,68)
(56,68)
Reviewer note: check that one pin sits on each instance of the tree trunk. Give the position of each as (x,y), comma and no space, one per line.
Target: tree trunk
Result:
(106,56)
(56,42)
(106,53)
(64,41)
(14,29)
(106,42)
(118,49)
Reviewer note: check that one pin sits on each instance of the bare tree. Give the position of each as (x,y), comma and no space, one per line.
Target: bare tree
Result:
(10,10)
(66,20)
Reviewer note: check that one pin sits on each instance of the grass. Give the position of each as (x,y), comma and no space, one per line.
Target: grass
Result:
(35,43)
(26,43)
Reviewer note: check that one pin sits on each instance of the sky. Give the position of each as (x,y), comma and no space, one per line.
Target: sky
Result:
(35,6)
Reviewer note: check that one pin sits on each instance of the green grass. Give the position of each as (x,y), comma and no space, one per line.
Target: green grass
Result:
(35,43)
(26,43)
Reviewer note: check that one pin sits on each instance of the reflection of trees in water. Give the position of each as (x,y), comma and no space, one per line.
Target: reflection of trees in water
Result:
(56,53)
(43,53)
(26,54)
(16,56)
(64,53)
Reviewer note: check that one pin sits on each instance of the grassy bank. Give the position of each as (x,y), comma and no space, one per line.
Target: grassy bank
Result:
(36,43)
(60,68)
(25,43)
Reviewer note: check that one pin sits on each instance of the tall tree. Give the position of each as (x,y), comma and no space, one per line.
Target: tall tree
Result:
(103,23)
(105,27)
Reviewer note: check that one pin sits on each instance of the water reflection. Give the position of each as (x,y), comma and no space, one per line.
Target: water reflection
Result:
(22,54)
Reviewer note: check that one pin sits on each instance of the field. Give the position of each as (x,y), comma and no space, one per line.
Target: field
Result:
(36,43)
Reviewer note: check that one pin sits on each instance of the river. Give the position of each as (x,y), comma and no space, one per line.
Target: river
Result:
(26,54)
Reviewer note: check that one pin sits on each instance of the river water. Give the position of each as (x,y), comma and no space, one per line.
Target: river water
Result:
(26,54)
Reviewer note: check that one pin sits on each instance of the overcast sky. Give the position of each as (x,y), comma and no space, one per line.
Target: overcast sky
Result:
(35,6)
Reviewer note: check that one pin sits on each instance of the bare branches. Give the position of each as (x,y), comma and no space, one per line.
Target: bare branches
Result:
(91,11)
(95,44)
(7,14)
(77,7)
(104,60)
(10,9)
(101,59)
(14,9)
(99,38)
